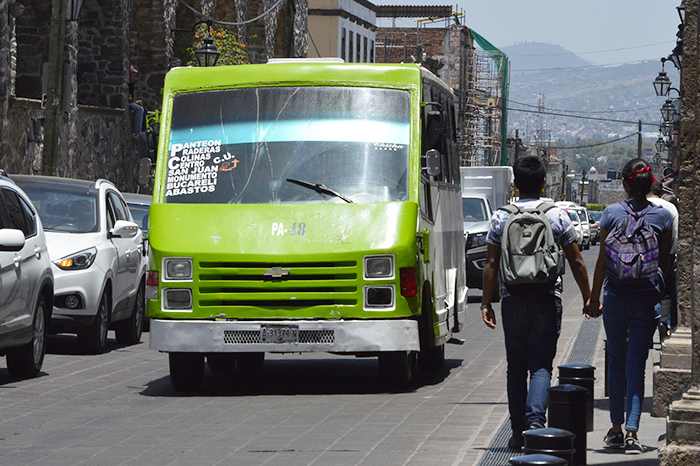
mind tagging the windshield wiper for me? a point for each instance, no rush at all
(319, 188)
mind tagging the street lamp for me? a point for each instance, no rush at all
(668, 110)
(208, 53)
(666, 128)
(662, 83)
(681, 12)
(660, 145)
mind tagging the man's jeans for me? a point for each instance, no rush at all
(531, 328)
(633, 316)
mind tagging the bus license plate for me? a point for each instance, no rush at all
(279, 334)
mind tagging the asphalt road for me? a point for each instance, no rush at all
(119, 408)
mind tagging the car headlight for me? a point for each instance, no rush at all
(379, 266)
(78, 261)
(177, 268)
(476, 240)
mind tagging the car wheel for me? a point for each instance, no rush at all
(27, 360)
(221, 363)
(396, 367)
(186, 371)
(93, 339)
(129, 331)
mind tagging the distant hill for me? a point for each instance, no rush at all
(571, 83)
(537, 55)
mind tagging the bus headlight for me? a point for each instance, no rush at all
(379, 297)
(177, 299)
(177, 268)
(379, 267)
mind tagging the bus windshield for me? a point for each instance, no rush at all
(289, 145)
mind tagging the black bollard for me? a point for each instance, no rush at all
(567, 410)
(538, 459)
(581, 375)
(550, 441)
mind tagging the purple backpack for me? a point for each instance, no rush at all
(632, 253)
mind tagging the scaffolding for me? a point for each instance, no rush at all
(484, 110)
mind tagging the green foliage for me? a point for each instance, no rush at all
(596, 207)
(232, 51)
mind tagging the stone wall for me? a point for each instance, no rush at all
(103, 46)
(32, 46)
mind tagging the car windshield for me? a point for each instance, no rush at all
(595, 215)
(289, 145)
(69, 209)
(474, 210)
(573, 216)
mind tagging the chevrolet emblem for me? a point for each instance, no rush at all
(276, 272)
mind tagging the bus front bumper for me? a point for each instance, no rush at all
(201, 336)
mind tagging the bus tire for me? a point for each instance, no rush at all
(221, 363)
(250, 363)
(431, 358)
(396, 367)
(186, 371)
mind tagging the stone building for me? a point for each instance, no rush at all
(64, 69)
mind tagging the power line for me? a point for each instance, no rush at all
(583, 111)
(598, 51)
(579, 116)
(600, 143)
(224, 23)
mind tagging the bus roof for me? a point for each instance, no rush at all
(306, 73)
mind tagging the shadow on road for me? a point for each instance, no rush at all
(303, 377)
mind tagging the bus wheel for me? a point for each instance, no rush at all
(186, 371)
(250, 363)
(221, 363)
(397, 367)
(432, 359)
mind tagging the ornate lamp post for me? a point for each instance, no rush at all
(662, 83)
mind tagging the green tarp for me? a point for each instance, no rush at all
(502, 61)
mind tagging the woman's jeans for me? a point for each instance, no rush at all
(531, 328)
(630, 322)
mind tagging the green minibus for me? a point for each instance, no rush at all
(301, 207)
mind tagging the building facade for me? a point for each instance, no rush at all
(343, 29)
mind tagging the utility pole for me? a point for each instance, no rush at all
(639, 139)
(52, 117)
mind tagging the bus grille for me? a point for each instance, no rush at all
(284, 285)
(249, 337)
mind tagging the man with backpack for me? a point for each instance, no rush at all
(526, 246)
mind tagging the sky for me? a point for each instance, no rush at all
(603, 32)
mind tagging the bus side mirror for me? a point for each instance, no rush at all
(432, 162)
(145, 171)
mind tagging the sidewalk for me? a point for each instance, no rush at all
(650, 428)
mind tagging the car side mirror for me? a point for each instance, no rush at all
(124, 229)
(11, 240)
(145, 171)
(432, 162)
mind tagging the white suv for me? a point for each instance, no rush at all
(26, 282)
(98, 261)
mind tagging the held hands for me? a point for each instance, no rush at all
(488, 315)
(593, 308)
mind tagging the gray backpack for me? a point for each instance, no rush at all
(531, 261)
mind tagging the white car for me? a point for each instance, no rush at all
(573, 215)
(583, 222)
(26, 282)
(98, 260)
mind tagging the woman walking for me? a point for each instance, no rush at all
(635, 244)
